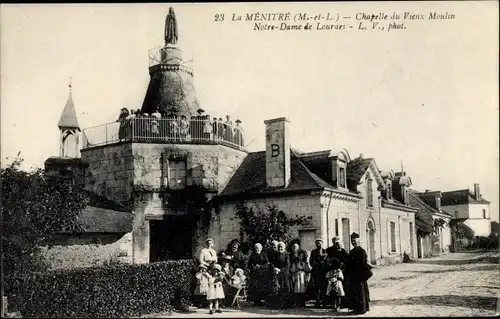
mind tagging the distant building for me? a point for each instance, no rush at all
(470, 207)
(430, 207)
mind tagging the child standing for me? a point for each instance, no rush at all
(300, 278)
(200, 292)
(335, 288)
(215, 291)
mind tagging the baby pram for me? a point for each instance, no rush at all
(240, 298)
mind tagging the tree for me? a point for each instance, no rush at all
(34, 208)
(264, 225)
(460, 232)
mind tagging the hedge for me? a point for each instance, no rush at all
(105, 291)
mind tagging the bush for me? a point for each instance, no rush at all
(109, 291)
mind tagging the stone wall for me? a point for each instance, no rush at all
(208, 166)
(224, 225)
(110, 172)
(80, 252)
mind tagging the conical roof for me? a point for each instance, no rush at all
(68, 117)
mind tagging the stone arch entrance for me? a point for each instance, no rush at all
(370, 235)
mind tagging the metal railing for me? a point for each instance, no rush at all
(165, 130)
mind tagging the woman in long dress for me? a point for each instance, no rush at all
(357, 293)
(208, 255)
(281, 284)
(258, 266)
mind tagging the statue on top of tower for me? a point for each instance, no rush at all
(171, 35)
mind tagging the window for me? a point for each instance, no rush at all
(176, 174)
(346, 233)
(389, 190)
(484, 213)
(393, 236)
(404, 195)
(438, 203)
(336, 226)
(342, 177)
(307, 238)
(369, 193)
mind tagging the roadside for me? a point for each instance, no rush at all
(456, 284)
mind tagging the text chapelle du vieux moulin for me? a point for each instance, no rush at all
(331, 21)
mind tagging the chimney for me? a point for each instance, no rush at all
(477, 194)
(278, 169)
(361, 156)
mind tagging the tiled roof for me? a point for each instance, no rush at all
(65, 161)
(355, 171)
(68, 117)
(459, 197)
(250, 177)
(102, 220)
(429, 198)
(423, 218)
(105, 203)
(102, 215)
(310, 173)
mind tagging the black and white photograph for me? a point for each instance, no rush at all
(250, 159)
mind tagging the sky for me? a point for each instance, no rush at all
(426, 96)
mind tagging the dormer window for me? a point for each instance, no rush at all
(405, 196)
(339, 177)
(342, 177)
(389, 190)
(438, 203)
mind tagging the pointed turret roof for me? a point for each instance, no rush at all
(68, 117)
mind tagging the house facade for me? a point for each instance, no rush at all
(340, 194)
(470, 207)
(434, 224)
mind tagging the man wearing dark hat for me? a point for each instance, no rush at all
(336, 250)
(319, 266)
(357, 273)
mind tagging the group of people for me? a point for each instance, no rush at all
(174, 127)
(286, 277)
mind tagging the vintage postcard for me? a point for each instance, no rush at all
(250, 159)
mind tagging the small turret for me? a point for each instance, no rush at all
(69, 129)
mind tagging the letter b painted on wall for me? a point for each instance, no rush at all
(275, 150)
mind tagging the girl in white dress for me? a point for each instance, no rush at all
(335, 288)
(201, 289)
(215, 293)
(300, 277)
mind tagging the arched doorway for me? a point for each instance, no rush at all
(370, 235)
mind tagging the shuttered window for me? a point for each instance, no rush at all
(369, 193)
(393, 236)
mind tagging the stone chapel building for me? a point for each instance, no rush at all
(182, 181)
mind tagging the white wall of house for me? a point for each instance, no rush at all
(444, 233)
(478, 216)
(405, 239)
(340, 218)
(382, 218)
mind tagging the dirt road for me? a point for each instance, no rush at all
(459, 284)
